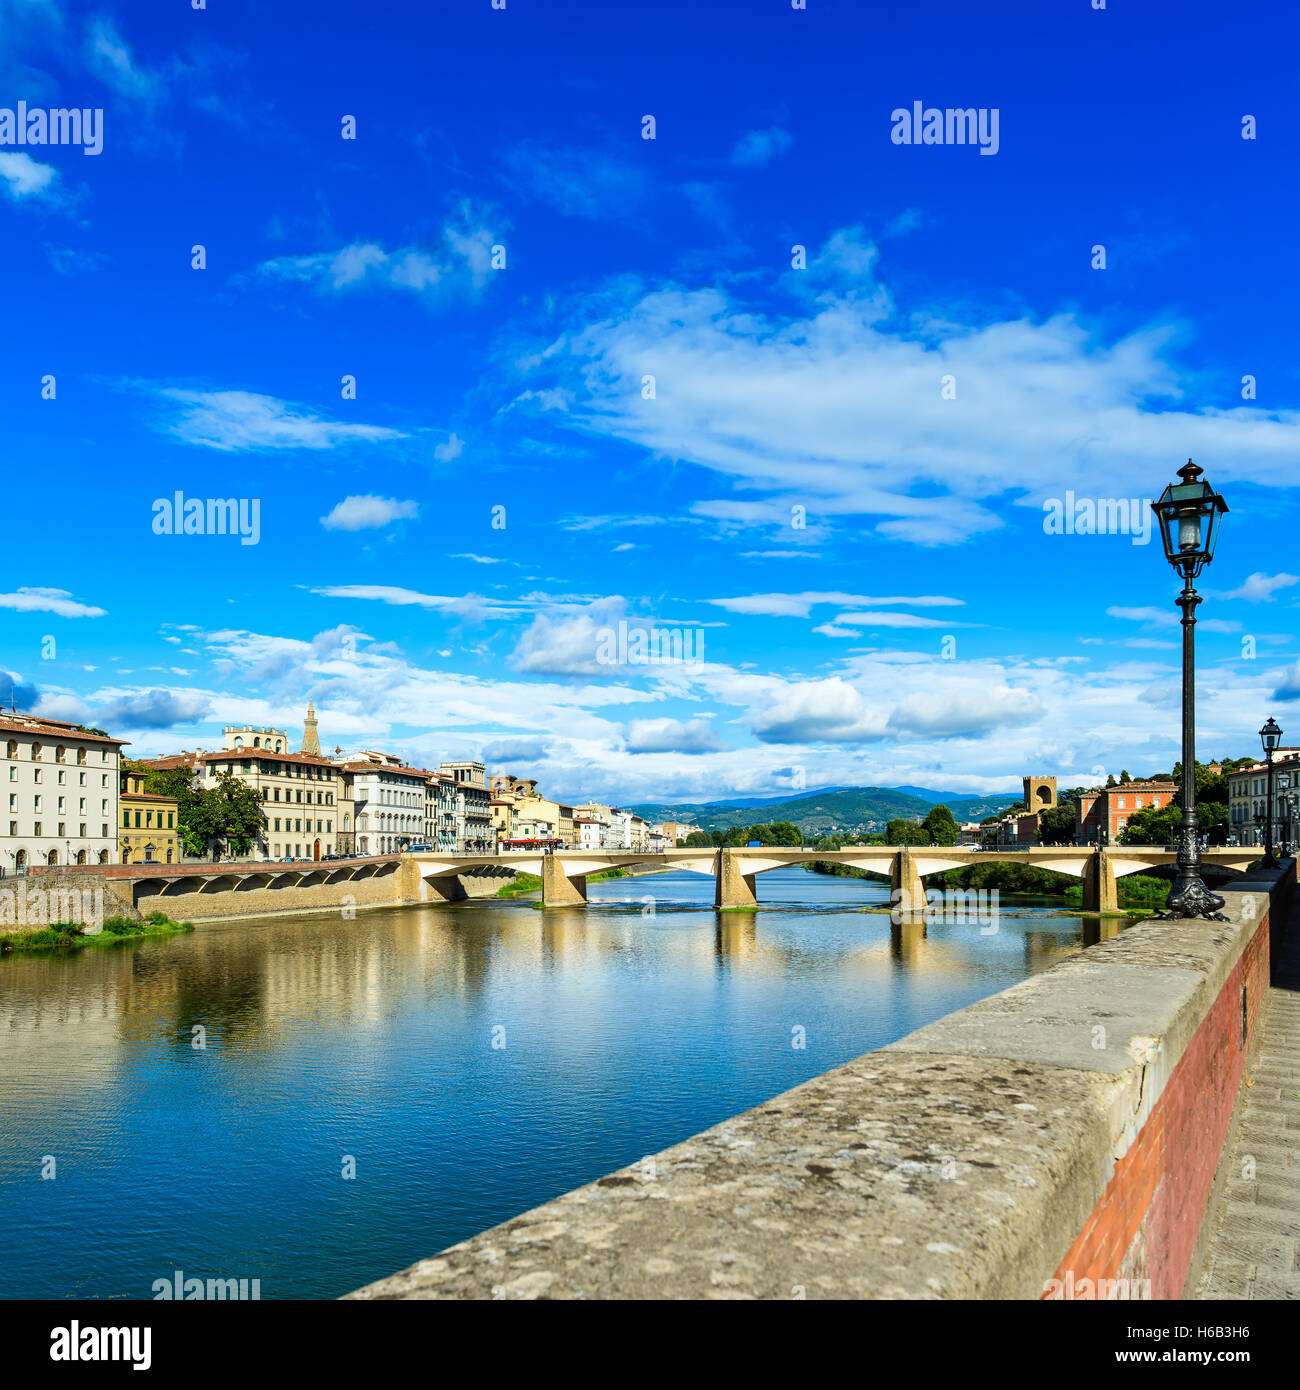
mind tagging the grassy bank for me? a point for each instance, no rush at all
(520, 886)
(523, 884)
(73, 935)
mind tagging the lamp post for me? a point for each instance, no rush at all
(1189, 513)
(1270, 736)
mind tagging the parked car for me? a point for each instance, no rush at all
(422, 848)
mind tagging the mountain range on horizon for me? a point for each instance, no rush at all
(825, 809)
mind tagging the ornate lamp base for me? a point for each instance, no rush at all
(1191, 898)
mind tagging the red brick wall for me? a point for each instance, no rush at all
(1147, 1221)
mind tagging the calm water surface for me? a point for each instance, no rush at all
(373, 1038)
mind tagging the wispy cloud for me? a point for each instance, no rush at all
(58, 601)
(366, 512)
(801, 605)
(234, 421)
(24, 179)
(1260, 588)
(758, 147)
(111, 59)
(461, 263)
(577, 181)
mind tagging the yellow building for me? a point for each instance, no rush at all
(149, 832)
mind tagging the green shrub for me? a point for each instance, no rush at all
(123, 926)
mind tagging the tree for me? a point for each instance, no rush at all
(698, 839)
(229, 813)
(940, 827)
(906, 832)
(1058, 824)
(1152, 825)
(1124, 778)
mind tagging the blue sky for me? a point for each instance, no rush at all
(865, 554)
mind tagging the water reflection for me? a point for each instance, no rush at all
(625, 1026)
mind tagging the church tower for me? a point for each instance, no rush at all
(310, 738)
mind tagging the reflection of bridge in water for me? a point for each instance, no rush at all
(564, 873)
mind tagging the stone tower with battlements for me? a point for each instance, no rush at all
(310, 738)
(1040, 793)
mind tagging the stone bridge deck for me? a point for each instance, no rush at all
(564, 872)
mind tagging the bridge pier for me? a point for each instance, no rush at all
(1099, 893)
(906, 889)
(732, 888)
(558, 890)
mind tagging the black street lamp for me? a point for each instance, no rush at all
(1189, 514)
(1270, 736)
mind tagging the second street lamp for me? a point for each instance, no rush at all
(1270, 736)
(1189, 513)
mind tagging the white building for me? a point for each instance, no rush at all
(592, 828)
(474, 832)
(389, 801)
(1248, 799)
(60, 785)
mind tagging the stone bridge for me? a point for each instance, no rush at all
(251, 888)
(564, 872)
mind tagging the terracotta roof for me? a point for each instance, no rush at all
(52, 728)
(240, 755)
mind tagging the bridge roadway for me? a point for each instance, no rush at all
(564, 872)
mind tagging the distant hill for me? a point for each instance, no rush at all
(844, 809)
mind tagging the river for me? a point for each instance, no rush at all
(471, 1060)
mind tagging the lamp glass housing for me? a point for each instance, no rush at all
(1189, 513)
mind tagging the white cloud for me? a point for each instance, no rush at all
(758, 147)
(893, 620)
(563, 645)
(1260, 588)
(237, 420)
(111, 60)
(801, 605)
(365, 512)
(818, 390)
(1169, 617)
(672, 736)
(824, 711)
(964, 708)
(461, 264)
(450, 449)
(58, 601)
(23, 177)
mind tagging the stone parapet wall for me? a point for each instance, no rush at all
(1060, 1133)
